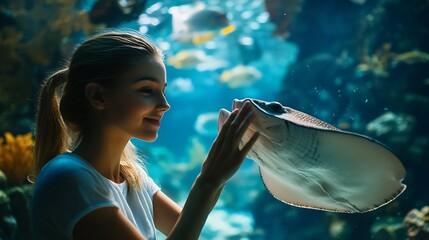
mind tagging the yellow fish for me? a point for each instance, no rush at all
(207, 36)
(199, 24)
(240, 76)
(187, 59)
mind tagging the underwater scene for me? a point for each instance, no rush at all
(359, 65)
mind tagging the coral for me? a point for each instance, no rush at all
(8, 223)
(20, 209)
(377, 63)
(393, 128)
(32, 40)
(384, 58)
(3, 180)
(417, 223)
(412, 57)
(388, 228)
(16, 154)
(339, 228)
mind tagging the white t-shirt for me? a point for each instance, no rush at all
(68, 188)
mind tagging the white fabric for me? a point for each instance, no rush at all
(68, 188)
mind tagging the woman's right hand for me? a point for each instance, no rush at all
(225, 156)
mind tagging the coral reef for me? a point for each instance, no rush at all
(16, 156)
(36, 36)
(391, 128)
(8, 224)
(15, 212)
(20, 208)
(388, 228)
(3, 180)
(417, 223)
(339, 228)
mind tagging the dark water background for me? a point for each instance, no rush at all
(345, 62)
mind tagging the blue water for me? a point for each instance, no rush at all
(245, 209)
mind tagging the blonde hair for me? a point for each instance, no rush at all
(63, 110)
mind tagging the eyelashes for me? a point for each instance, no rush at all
(146, 90)
(149, 91)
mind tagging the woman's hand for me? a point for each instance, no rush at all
(225, 157)
(223, 160)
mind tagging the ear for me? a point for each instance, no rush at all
(94, 94)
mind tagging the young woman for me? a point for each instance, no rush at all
(89, 184)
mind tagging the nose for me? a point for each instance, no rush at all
(163, 105)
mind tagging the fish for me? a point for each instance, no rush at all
(308, 163)
(187, 59)
(199, 24)
(195, 58)
(240, 76)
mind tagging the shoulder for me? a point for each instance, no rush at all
(65, 162)
(65, 169)
(148, 184)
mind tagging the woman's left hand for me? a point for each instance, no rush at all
(225, 156)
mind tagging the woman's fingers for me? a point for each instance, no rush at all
(242, 154)
(231, 134)
(246, 148)
(225, 156)
(245, 109)
(243, 128)
(228, 122)
(221, 135)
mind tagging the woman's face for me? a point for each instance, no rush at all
(138, 104)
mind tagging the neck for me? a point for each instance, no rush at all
(103, 151)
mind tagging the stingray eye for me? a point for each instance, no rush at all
(276, 107)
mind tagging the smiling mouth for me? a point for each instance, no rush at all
(152, 121)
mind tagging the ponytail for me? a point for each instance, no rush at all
(51, 133)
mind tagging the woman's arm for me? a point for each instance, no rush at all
(222, 162)
(166, 212)
(106, 223)
(200, 202)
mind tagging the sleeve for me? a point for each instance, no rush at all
(68, 193)
(148, 184)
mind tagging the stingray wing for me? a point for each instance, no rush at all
(332, 171)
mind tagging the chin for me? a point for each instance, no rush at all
(150, 138)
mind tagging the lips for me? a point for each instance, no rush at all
(153, 121)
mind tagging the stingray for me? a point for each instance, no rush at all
(308, 163)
